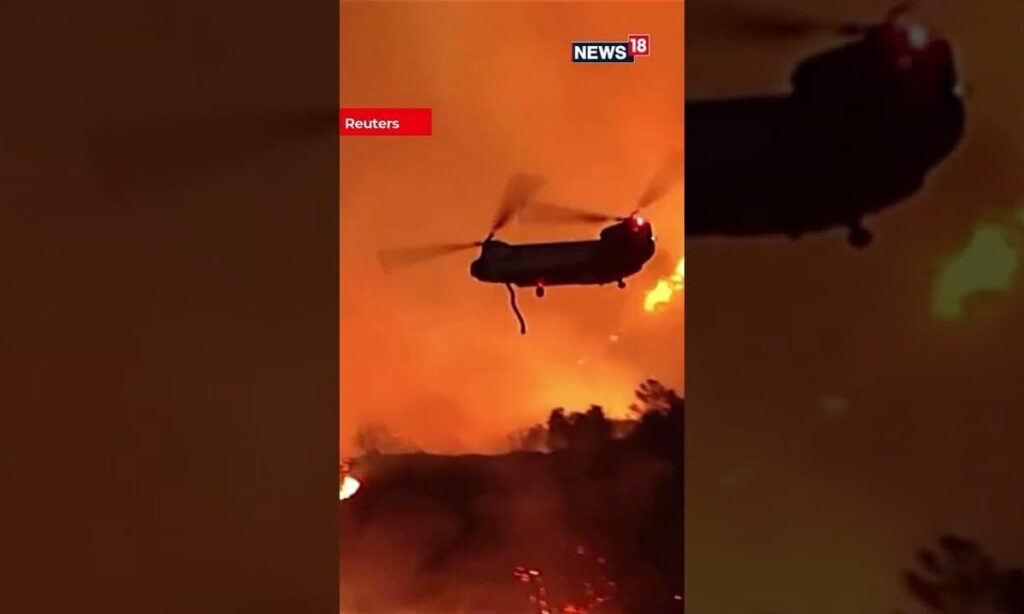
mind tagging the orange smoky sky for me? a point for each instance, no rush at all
(430, 353)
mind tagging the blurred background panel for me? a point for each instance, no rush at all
(170, 316)
(849, 406)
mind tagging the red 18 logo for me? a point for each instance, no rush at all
(639, 44)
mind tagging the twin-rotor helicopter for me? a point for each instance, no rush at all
(620, 251)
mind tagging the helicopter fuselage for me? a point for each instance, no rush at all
(622, 251)
(865, 123)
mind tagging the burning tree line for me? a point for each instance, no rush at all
(657, 426)
(584, 516)
(635, 555)
(643, 548)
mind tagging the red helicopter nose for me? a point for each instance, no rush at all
(904, 37)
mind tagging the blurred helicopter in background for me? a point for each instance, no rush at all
(864, 124)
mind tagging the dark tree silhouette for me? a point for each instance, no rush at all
(658, 423)
(533, 439)
(558, 429)
(589, 430)
(376, 439)
(958, 577)
(653, 396)
(660, 430)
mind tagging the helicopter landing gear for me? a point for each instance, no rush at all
(539, 291)
(621, 284)
(859, 236)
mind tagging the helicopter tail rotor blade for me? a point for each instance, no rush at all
(166, 151)
(404, 257)
(518, 194)
(669, 174)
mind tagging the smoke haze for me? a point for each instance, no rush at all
(429, 353)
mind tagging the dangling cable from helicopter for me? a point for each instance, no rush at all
(515, 308)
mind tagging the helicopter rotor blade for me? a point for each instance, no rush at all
(900, 10)
(404, 257)
(760, 24)
(552, 213)
(518, 194)
(669, 174)
(170, 150)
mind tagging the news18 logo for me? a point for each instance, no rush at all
(636, 45)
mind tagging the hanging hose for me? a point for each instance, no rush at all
(515, 308)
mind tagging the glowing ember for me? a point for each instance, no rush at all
(349, 487)
(986, 264)
(667, 287)
(594, 595)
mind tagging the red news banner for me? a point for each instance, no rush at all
(385, 122)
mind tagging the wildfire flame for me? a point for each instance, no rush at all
(667, 287)
(349, 487)
(986, 264)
